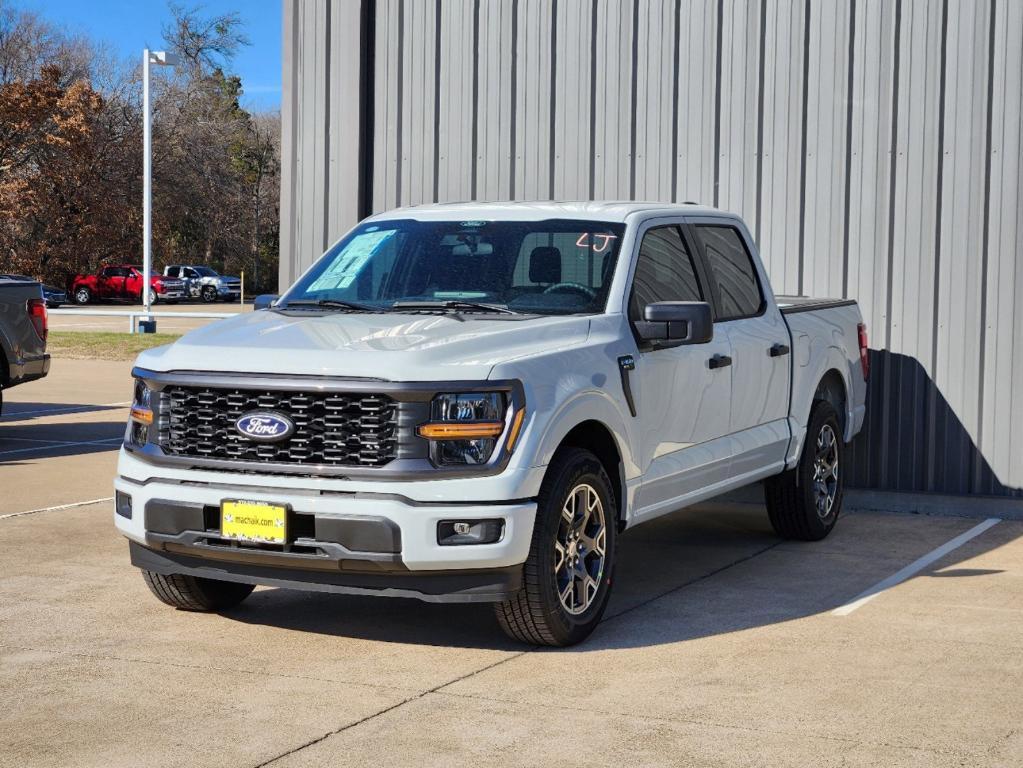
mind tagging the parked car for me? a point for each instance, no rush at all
(202, 282)
(472, 402)
(53, 295)
(23, 330)
(124, 283)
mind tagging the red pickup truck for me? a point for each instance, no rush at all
(124, 282)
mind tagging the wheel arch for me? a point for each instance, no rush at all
(596, 437)
(832, 389)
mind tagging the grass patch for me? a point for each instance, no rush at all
(104, 345)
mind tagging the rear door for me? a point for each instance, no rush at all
(682, 402)
(759, 341)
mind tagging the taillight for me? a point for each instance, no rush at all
(864, 355)
(37, 314)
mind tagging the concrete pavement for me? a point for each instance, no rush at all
(720, 647)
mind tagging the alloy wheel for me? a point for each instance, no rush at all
(579, 549)
(825, 472)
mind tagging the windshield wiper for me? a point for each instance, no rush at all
(454, 304)
(331, 304)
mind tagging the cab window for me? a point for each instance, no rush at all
(664, 271)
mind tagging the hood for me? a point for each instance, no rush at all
(396, 347)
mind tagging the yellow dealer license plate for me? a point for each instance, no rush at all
(253, 521)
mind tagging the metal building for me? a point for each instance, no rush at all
(874, 147)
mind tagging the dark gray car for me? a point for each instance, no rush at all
(23, 329)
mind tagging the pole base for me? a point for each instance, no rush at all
(147, 326)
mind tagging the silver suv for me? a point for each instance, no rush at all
(204, 283)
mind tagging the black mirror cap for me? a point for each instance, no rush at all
(265, 301)
(674, 323)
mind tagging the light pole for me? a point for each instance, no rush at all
(159, 58)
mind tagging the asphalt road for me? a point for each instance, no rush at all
(723, 646)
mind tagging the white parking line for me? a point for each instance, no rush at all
(16, 415)
(113, 442)
(58, 507)
(915, 567)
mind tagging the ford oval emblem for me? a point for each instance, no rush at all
(264, 426)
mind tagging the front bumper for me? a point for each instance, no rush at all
(445, 586)
(326, 550)
(171, 293)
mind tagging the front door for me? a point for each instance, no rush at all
(682, 399)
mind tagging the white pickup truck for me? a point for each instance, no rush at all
(471, 402)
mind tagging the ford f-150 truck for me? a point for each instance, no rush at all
(124, 283)
(23, 330)
(471, 402)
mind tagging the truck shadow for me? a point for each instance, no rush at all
(709, 570)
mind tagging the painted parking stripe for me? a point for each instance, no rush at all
(915, 567)
(112, 442)
(16, 415)
(57, 508)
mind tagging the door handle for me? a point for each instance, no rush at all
(719, 361)
(778, 350)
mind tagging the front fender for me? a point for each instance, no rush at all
(590, 405)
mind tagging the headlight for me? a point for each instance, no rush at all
(141, 417)
(464, 427)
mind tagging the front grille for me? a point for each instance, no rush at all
(335, 429)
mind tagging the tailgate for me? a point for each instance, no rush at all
(24, 351)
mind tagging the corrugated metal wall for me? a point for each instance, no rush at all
(873, 147)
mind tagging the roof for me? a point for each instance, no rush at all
(596, 210)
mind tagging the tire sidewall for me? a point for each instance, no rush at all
(822, 413)
(579, 467)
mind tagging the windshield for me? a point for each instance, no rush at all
(549, 267)
(205, 271)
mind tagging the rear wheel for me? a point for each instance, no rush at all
(191, 593)
(83, 295)
(567, 576)
(804, 503)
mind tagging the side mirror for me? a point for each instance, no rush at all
(265, 301)
(674, 323)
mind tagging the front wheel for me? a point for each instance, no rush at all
(804, 503)
(567, 576)
(209, 294)
(192, 593)
(153, 298)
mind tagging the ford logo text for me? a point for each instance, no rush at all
(264, 427)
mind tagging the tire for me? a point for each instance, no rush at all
(537, 614)
(82, 295)
(209, 294)
(191, 593)
(153, 297)
(799, 506)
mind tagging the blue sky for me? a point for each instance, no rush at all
(130, 26)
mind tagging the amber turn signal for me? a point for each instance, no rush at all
(513, 433)
(142, 415)
(455, 431)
